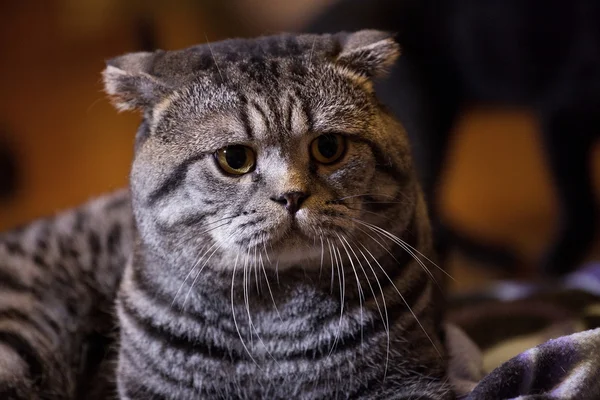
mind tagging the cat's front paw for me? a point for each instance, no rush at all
(15, 383)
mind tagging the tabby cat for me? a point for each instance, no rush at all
(272, 244)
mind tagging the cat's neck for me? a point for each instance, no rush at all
(255, 311)
(256, 284)
(263, 289)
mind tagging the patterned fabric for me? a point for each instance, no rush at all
(528, 342)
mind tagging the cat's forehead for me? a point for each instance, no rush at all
(284, 84)
(242, 53)
(288, 99)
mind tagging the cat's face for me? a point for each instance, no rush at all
(268, 155)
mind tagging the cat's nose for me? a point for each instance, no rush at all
(291, 200)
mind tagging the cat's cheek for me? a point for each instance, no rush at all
(349, 181)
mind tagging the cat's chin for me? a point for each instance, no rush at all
(291, 250)
(295, 253)
(292, 243)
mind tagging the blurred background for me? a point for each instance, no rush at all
(62, 143)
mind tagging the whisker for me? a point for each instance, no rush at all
(212, 229)
(312, 49)
(245, 291)
(237, 328)
(269, 288)
(428, 259)
(199, 272)
(246, 294)
(366, 194)
(340, 271)
(213, 57)
(322, 254)
(419, 262)
(404, 245)
(342, 281)
(401, 243)
(385, 321)
(371, 212)
(189, 274)
(228, 219)
(361, 296)
(222, 219)
(266, 252)
(256, 280)
(396, 288)
(405, 303)
(277, 271)
(386, 202)
(202, 256)
(332, 266)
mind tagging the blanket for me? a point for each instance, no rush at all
(525, 341)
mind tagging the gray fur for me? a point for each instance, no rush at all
(58, 278)
(227, 296)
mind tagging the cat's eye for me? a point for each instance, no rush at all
(328, 148)
(236, 159)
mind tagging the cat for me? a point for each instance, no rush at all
(543, 55)
(273, 242)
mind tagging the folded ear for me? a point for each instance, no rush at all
(129, 84)
(368, 52)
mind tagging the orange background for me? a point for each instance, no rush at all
(72, 145)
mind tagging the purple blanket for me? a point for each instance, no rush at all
(528, 342)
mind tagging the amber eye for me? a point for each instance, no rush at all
(328, 148)
(236, 160)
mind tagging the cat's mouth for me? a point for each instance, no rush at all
(288, 241)
(297, 249)
(296, 242)
(292, 234)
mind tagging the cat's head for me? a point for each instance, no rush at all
(276, 146)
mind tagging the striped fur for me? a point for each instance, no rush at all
(227, 296)
(58, 279)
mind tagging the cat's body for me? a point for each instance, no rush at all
(295, 343)
(278, 223)
(58, 280)
(537, 54)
